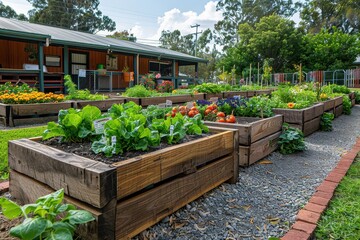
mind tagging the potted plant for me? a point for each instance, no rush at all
(128, 76)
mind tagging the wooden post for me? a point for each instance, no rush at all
(66, 60)
(41, 65)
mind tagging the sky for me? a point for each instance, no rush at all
(147, 18)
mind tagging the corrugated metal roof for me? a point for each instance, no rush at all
(68, 37)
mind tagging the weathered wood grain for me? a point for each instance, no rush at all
(133, 99)
(254, 130)
(352, 95)
(84, 179)
(311, 126)
(26, 190)
(231, 94)
(208, 96)
(329, 105)
(258, 150)
(152, 101)
(103, 105)
(338, 111)
(140, 212)
(292, 116)
(338, 101)
(262, 92)
(137, 173)
(313, 111)
(250, 94)
(19, 110)
(352, 102)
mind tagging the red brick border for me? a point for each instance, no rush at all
(308, 217)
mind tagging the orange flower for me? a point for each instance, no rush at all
(291, 105)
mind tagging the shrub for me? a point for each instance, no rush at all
(291, 140)
(326, 122)
(148, 81)
(137, 91)
(166, 87)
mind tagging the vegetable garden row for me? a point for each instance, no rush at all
(131, 165)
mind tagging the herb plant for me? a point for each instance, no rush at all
(291, 140)
(138, 91)
(326, 122)
(48, 218)
(208, 88)
(346, 105)
(75, 94)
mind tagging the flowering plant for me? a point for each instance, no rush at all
(148, 81)
(166, 86)
(32, 97)
(158, 75)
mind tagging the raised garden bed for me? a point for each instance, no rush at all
(338, 108)
(175, 99)
(208, 96)
(103, 105)
(263, 92)
(352, 98)
(307, 119)
(129, 196)
(257, 137)
(21, 114)
(231, 94)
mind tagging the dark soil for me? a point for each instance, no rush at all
(6, 225)
(84, 149)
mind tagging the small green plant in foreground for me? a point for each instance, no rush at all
(326, 122)
(291, 140)
(342, 218)
(48, 218)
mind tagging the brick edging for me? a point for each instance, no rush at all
(308, 217)
(4, 187)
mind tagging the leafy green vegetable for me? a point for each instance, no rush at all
(291, 140)
(75, 94)
(45, 219)
(326, 122)
(74, 125)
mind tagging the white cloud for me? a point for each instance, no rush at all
(174, 19)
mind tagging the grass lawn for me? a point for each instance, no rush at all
(6, 135)
(342, 218)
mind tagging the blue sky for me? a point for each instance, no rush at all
(147, 18)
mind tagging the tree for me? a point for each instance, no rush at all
(273, 38)
(8, 12)
(330, 50)
(124, 35)
(81, 15)
(342, 14)
(236, 12)
(175, 41)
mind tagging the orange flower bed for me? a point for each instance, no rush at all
(33, 97)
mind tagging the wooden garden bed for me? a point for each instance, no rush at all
(36, 113)
(208, 96)
(257, 137)
(307, 119)
(103, 105)
(231, 94)
(352, 98)
(129, 196)
(338, 108)
(262, 92)
(175, 99)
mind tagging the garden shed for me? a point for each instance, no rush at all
(41, 55)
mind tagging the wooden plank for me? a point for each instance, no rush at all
(352, 102)
(262, 92)
(102, 228)
(180, 98)
(103, 105)
(34, 120)
(265, 127)
(137, 173)
(152, 101)
(329, 105)
(258, 150)
(352, 95)
(84, 179)
(311, 126)
(18, 110)
(313, 111)
(244, 129)
(250, 94)
(292, 116)
(338, 101)
(198, 96)
(213, 95)
(231, 94)
(338, 111)
(140, 212)
(3, 109)
(131, 99)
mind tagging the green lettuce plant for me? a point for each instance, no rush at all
(326, 122)
(47, 218)
(291, 140)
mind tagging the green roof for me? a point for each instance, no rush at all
(17, 29)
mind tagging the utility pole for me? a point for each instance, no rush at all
(196, 35)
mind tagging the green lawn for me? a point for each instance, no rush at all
(6, 135)
(342, 219)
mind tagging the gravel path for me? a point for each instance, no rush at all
(267, 197)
